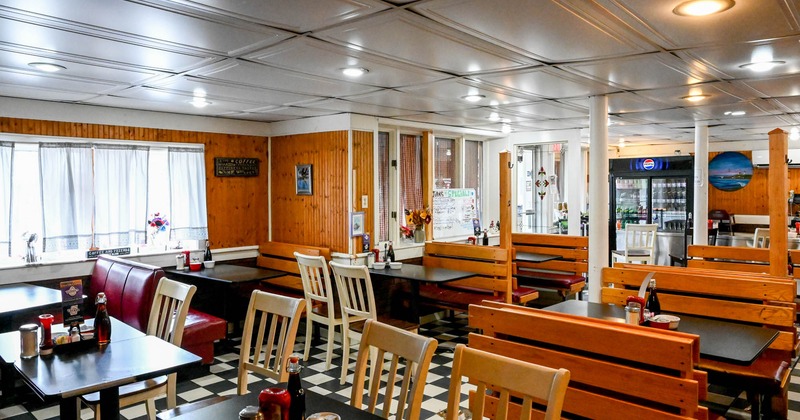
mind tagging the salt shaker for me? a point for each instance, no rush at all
(180, 261)
(29, 347)
(632, 315)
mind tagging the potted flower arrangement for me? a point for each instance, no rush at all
(416, 220)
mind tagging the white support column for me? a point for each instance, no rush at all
(700, 208)
(574, 184)
(598, 193)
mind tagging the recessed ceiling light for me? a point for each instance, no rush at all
(762, 66)
(494, 116)
(48, 67)
(199, 102)
(695, 98)
(702, 7)
(735, 113)
(473, 98)
(506, 128)
(354, 71)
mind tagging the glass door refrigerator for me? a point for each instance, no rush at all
(650, 190)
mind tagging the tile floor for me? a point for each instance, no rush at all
(220, 379)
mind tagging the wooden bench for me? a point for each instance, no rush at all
(735, 258)
(617, 371)
(493, 280)
(280, 256)
(752, 298)
(565, 275)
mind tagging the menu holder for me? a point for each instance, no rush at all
(70, 347)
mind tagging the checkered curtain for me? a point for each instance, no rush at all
(410, 174)
(473, 159)
(6, 153)
(383, 191)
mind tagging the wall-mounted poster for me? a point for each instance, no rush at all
(730, 171)
(302, 175)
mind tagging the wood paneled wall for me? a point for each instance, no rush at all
(238, 208)
(363, 168)
(320, 219)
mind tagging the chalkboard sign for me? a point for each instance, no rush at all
(224, 166)
(453, 213)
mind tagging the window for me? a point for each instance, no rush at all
(383, 187)
(63, 198)
(410, 174)
(473, 167)
(445, 168)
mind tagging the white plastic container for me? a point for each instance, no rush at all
(349, 259)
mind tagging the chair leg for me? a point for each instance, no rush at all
(151, 408)
(172, 398)
(309, 326)
(329, 352)
(345, 353)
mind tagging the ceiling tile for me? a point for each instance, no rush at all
(545, 83)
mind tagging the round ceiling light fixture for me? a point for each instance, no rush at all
(702, 7)
(48, 67)
(354, 71)
(473, 98)
(695, 98)
(762, 66)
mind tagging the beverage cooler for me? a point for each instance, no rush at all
(650, 190)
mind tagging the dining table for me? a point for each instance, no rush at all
(224, 290)
(228, 407)
(19, 300)
(726, 341)
(81, 368)
(415, 275)
(535, 257)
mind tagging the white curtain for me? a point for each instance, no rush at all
(120, 196)
(66, 177)
(187, 180)
(6, 150)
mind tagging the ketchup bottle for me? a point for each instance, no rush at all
(273, 404)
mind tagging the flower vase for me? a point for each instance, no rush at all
(419, 235)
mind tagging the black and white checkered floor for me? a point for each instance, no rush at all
(220, 379)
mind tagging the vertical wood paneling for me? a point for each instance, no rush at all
(321, 219)
(363, 165)
(238, 208)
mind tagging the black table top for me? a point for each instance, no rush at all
(91, 369)
(229, 408)
(719, 340)
(535, 257)
(26, 297)
(421, 273)
(229, 273)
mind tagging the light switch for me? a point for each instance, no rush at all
(364, 201)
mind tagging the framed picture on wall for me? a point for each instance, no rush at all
(303, 180)
(357, 223)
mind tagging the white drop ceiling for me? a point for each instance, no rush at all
(536, 62)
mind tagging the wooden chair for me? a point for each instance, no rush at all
(416, 350)
(358, 305)
(640, 241)
(507, 376)
(320, 301)
(167, 319)
(761, 238)
(279, 317)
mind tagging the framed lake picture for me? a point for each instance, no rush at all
(730, 171)
(302, 175)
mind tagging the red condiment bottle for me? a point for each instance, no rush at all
(273, 404)
(46, 346)
(102, 322)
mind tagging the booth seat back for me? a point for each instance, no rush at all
(129, 287)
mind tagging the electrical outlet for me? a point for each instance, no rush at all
(364, 201)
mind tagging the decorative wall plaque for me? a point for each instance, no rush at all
(225, 166)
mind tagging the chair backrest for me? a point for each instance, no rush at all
(688, 238)
(168, 312)
(355, 292)
(316, 280)
(416, 350)
(761, 238)
(508, 376)
(640, 237)
(278, 317)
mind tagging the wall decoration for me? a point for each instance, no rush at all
(730, 171)
(226, 166)
(541, 183)
(357, 223)
(303, 179)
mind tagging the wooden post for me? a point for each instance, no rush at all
(427, 143)
(505, 199)
(777, 195)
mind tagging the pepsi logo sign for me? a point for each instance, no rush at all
(648, 164)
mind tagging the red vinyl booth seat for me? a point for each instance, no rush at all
(130, 287)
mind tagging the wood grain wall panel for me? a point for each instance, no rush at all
(363, 166)
(238, 208)
(320, 219)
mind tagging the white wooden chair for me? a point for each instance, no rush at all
(357, 301)
(276, 329)
(167, 319)
(505, 375)
(640, 244)
(761, 238)
(417, 352)
(320, 301)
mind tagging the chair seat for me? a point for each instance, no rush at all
(632, 253)
(545, 279)
(358, 326)
(129, 389)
